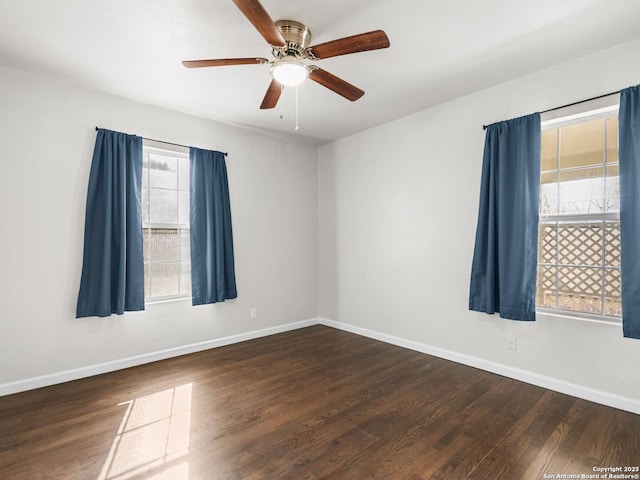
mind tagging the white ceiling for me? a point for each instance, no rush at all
(440, 50)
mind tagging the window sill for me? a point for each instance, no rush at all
(603, 320)
(157, 301)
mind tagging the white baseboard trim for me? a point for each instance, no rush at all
(91, 370)
(555, 384)
(598, 396)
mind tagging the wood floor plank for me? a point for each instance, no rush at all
(310, 404)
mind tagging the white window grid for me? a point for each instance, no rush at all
(603, 218)
(181, 229)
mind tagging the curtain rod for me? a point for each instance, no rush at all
(484, 127)
(168, 143)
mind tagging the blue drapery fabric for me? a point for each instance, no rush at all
(113, 265)
(629, 155)
(503, 273)
(212, 266)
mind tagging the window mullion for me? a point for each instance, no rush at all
(605, 208)
(557, 224)
(603, 270)
(557, 264)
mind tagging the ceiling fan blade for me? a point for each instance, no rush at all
(357, 43)
(326, 79)
(224, 62)
(272, 96)
(258, 16)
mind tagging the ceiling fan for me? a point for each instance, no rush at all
(289, 41)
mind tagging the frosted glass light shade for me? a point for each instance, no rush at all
(289, 72)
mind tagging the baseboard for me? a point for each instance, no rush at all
(91, 370)
(598, 396)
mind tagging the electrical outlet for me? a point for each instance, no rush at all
(254, 313)
(512, 342)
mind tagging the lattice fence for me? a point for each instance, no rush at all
(166, 269)
(579, 266)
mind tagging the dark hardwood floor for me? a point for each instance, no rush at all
(309, 404)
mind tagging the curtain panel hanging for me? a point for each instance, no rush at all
(629, 158)
(503, 273)
(113, 266)
(212, 263)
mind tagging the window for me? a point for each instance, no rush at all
(165, 221)
(579, 238)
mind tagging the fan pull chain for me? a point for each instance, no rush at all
(281, 107)
(297, 123)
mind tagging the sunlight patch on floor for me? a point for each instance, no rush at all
(153, 437)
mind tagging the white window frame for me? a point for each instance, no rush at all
(600, 108)
(151, 146)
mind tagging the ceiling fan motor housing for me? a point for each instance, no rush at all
(297, 36)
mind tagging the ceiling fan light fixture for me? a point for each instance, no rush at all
(289, 71)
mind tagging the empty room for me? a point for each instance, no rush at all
(264, 239)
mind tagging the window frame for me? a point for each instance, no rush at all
(575, 114)
(161, 148)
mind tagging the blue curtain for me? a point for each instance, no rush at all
(629, 154)
(113, 266)
(212, 269)
(503, 273)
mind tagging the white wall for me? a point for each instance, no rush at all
(398, 210)
(46, 143)
(356, 237)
